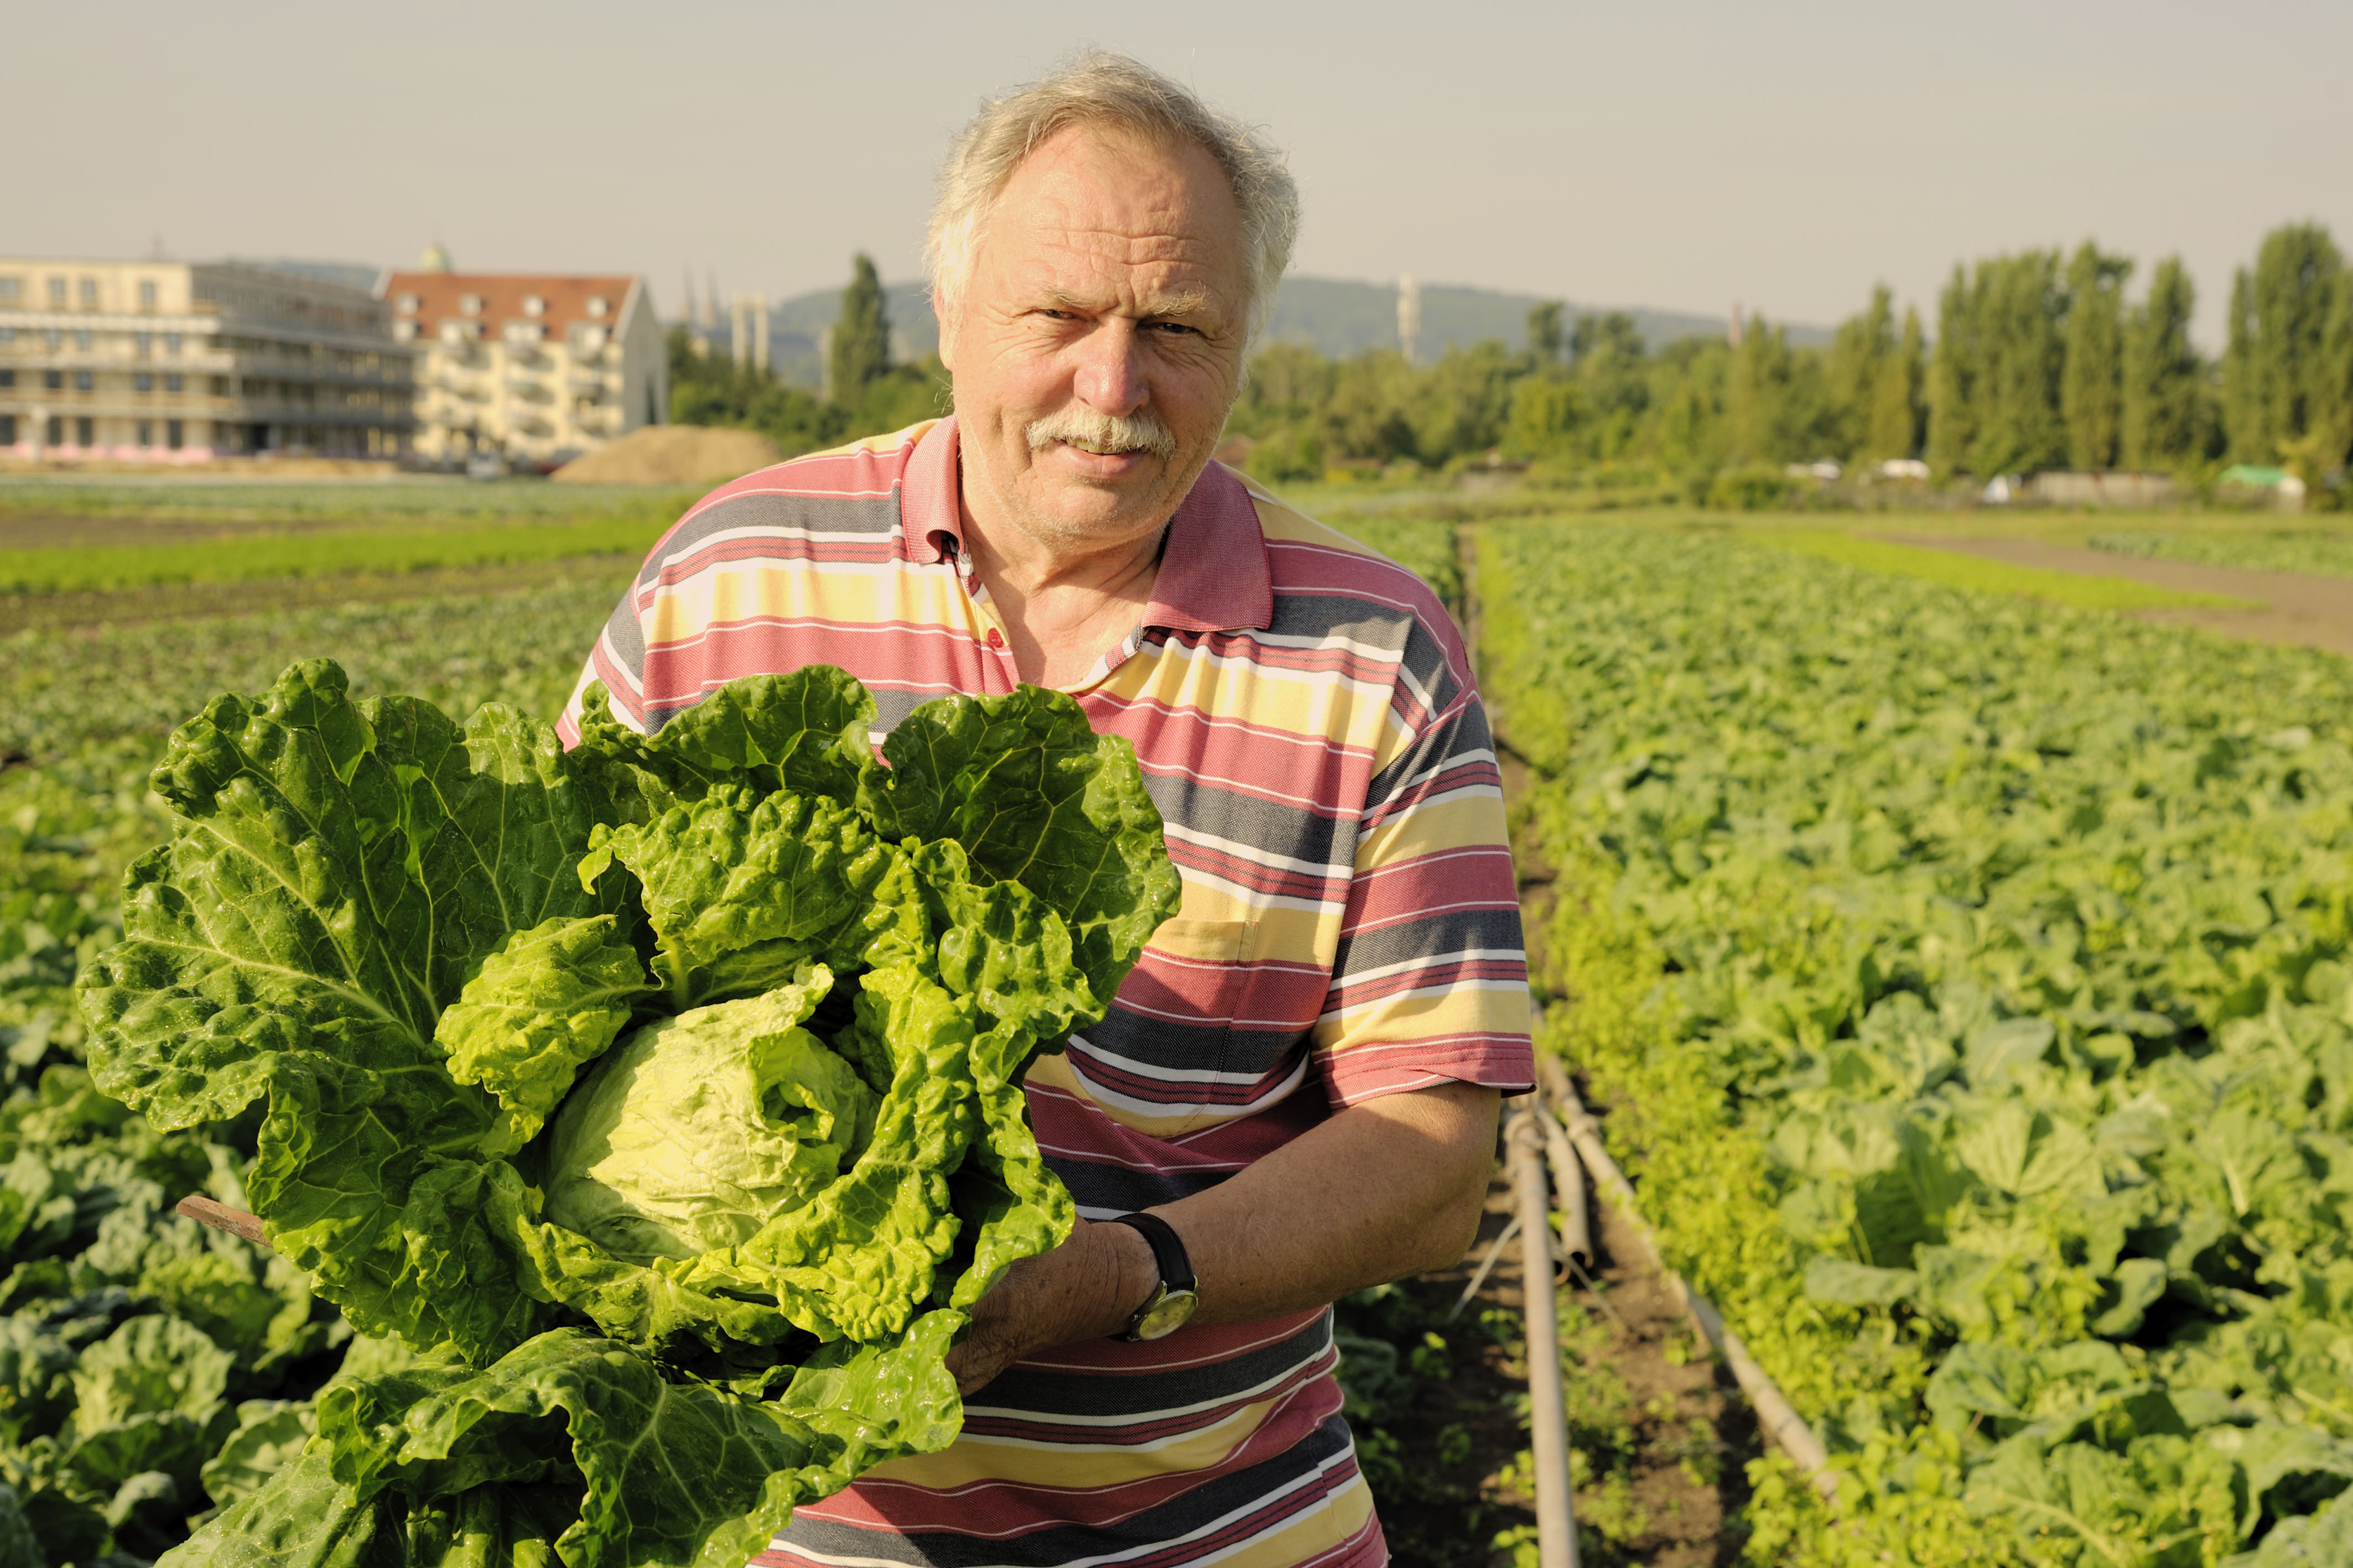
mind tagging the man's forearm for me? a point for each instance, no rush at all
(1386, 1189)
(1383, 1190)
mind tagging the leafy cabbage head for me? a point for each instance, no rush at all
(695, 1131)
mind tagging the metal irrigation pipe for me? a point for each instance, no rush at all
(1774, 1414)
(1569, 1190)
(1547, 1407)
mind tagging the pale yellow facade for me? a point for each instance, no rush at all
(182, 362)
(530, 369)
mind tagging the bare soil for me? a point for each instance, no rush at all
(671, 455)
(1632, 1359)
(2295, 610)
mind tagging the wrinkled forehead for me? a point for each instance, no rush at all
(1120, 198)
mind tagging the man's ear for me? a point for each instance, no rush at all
(947, 321)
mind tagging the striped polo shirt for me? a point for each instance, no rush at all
(1305, 717)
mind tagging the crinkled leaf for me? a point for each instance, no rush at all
(1034, 795)
(805, 731)
(546, 1001)
(742, 889)
(339, 872)
(270, 1434)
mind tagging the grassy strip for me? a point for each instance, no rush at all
(375, 551)
(346, 500)
(1954, 570)
(2315, 553)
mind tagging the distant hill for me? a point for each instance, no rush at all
(1340, 316)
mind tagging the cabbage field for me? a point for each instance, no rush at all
(1968, 979)
(1964, 980)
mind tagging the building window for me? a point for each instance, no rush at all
(403, 332)
(406, 304)
(171, 343)
(53, 381)
(532, 305)
(7, 380)
(85, 433)
(597, 306)
(146, 302)
(52, 339)
(171, 429)
(83, 381)
(525, 332)
(81, 341)
(7, 429)
(88, 301)
(146, 433)
(57, 293)
(143, 381)
(172, 381)
(143, 343)
(7, 337)
(56, 431)
(11, 289)
(469, 304)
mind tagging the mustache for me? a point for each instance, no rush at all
(1094, 432)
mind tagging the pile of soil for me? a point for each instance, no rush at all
(671, 455)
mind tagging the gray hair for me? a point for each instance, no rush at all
(1098, 88)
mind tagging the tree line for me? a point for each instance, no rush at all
(864, 394)
(2040, 359)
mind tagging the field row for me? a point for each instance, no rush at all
(1968, 977)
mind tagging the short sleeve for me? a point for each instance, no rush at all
(1430, 982)
(618, 659)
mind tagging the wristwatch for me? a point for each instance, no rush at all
(1172, 1302)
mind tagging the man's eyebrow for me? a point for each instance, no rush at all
(1189, 300)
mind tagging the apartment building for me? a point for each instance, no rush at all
(181, 362)
(532, 368)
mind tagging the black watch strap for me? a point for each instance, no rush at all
(1176, 1268)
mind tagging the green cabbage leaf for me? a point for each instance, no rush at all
(663, 1095)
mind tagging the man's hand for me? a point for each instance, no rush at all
(1085, 1288)
(1384, 1189)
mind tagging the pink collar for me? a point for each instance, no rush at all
(1213, 573)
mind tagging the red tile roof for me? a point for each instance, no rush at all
(439, 295)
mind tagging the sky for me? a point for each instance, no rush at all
(1681, 157)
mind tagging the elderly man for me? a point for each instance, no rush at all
(1294, 1095)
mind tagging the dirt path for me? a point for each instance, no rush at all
(2310, 612)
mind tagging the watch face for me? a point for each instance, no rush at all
(1166, 1315)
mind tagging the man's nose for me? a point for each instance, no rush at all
(1111, 376)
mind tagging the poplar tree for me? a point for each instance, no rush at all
(1895, 400)
(2092, 385)
(2242, 420)
(2160, 410)
(861, 352)
(1953, 378)
(1862, 354)
(2294, 396)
